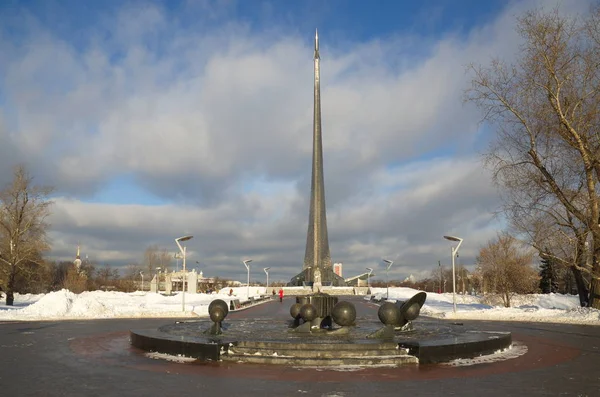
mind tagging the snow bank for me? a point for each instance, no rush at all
(556, 308)
(64, 304)
(100, 304)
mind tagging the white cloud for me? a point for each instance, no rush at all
(269, 223)
(218, 123)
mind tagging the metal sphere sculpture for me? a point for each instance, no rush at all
(308, 312)
(389, 314)
(344, 313)
(217, 314)
(218, 310)
(295, 310)
(398, 316)
(412, 311)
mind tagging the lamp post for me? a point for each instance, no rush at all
(369, 277)
(387, 283)
(142, 275)
(266, 269)
(245, 262)
(441, 276)
(454, 253)
(177, 258)
(158, 280)
(198, 268)
(178, 240)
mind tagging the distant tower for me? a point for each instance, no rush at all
(337, 268)
(77, 261)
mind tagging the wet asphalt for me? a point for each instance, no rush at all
(93, 358)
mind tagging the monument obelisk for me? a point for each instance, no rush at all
(317, 269)
(317, 254)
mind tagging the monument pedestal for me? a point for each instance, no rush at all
(316, 287)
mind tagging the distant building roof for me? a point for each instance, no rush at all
(362, 276)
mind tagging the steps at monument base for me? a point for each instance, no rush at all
(338, 291)
(319, 354)
(400, 359)
(316, 346)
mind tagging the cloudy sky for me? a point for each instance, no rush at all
(154, 120)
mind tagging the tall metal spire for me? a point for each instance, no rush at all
(317, 44)
(317, 242)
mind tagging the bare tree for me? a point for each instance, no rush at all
(554, 232)
(106, 276)
(463, 277)
(154, 257)
(36, 277)
(442, 277)
(132, 271)
(165, 258)
(507, 268)
(437, 276)
(74, 281)
(546, 108)
(24, 208)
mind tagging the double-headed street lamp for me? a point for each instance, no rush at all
(266, 269)
(454, 253)
(245, 262)
(369, 277)
(178, 240)
(387, 280)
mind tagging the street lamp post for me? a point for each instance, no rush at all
(178, 240)
(245, 262)
(177, 258)
(441, 276)
(369, 278)
(266, 269)
(158, 280)
(454, 253)
(387, 280)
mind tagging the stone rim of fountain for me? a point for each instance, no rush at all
(255, 341)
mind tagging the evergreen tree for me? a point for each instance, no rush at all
(548, 279)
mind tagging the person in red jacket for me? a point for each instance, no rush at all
(280, 294)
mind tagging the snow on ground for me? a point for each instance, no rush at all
(555, 308)
(515, 350)
(63, 305)
(99, 304)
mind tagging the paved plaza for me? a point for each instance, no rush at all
(93, 358)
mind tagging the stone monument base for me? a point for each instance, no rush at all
(432, 341)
